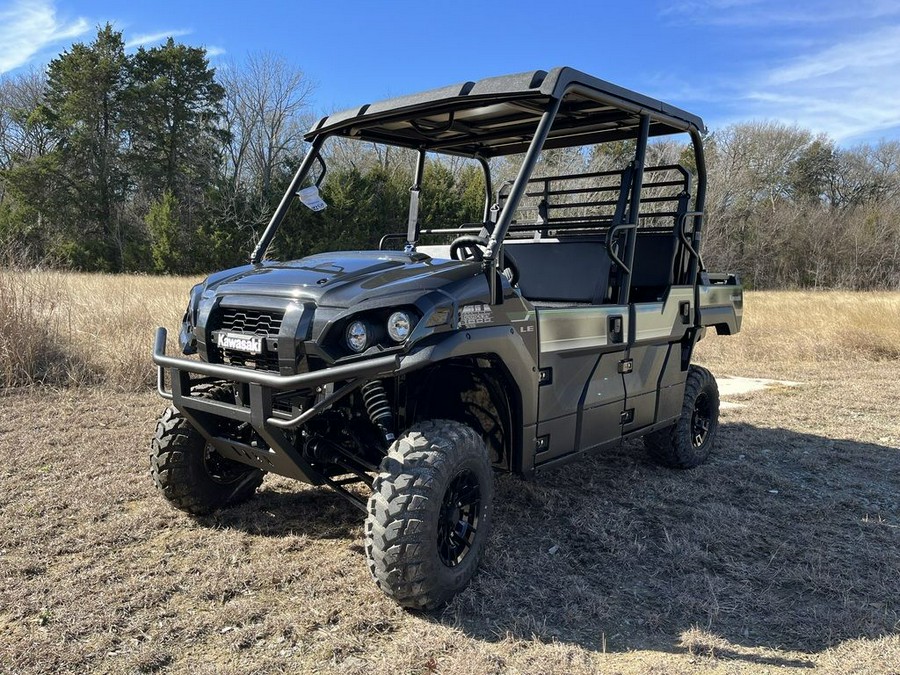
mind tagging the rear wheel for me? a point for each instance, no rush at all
(430, 514)
(189, 472)
(689, 441)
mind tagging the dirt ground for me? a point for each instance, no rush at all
(782, 553)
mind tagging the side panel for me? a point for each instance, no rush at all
(582, 397)
(663, 321)
(641, 385)
(722, 306)
(604, 402)
(655, 386)
(671, 386)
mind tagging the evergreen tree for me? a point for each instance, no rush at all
(174, 106)
(166, 240)
(85, 112)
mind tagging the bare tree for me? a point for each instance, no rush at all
(867, 173)
(267, 113)
(22, 134)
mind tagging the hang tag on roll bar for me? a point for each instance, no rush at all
(311, 198)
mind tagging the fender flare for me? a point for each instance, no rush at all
(499, 341)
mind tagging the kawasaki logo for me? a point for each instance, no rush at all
(240, 342)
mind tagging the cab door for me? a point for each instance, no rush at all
(581, 396)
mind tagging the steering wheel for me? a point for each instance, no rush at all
(468, 247)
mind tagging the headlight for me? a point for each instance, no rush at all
(399, 326)
(357, 336)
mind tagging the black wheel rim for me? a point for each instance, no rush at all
(458, 520)
(701, 420)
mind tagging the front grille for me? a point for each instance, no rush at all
(266, 361)
(250, 321)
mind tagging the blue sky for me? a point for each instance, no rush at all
(829, 66)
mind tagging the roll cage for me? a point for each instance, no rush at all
(528, 113)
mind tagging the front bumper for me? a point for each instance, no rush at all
(281, 455)
(274, 426)
(376, 367)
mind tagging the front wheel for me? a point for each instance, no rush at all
(429, 514)
(189, 472)
(689, 441)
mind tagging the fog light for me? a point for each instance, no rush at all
(399, 326)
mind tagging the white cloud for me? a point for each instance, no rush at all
(215, 51)
(862, 55)
(838, 73)
(849, 89)
(153, 38)
(29, 26)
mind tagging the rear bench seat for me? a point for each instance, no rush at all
(653, 270)
(578, 270)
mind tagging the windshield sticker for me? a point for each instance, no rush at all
(311, 198)
(475, 315)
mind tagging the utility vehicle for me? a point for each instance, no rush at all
(403, 378)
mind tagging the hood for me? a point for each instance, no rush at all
(343, 278)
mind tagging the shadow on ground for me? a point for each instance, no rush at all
(318, 513)
(783, 540)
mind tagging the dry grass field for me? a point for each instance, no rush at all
(65, 329)
(780, 554)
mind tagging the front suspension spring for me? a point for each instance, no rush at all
(379, 407)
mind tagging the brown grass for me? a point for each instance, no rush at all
(784, 327)
(780, 553)
(74, 329)
(63, 328)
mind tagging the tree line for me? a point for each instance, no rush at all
(155, 162)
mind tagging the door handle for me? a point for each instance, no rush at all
(614, 329)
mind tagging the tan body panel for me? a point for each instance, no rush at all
(721, 307)
(582, 406)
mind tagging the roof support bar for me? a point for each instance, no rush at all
(412, 226)
(699, 204)
(521, 182)
(696, 264)
(488, 188)
(313, 155)
(634, 208)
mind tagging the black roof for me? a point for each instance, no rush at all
(498, 115)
